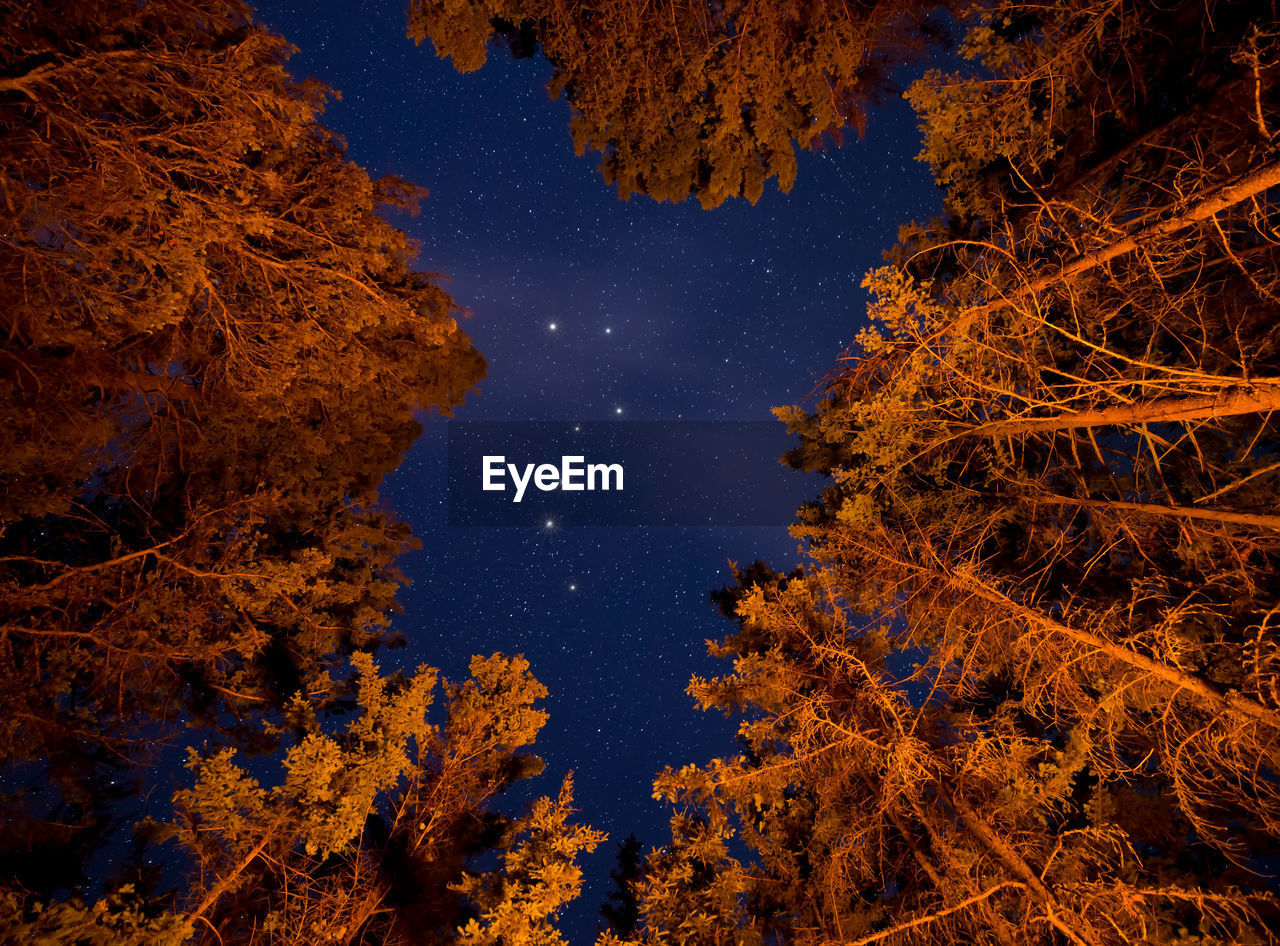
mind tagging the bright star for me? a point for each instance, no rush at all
(550, 523)
(552, 326)
(617, 410)
(608, 331)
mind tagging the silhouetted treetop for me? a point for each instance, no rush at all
(706, 99)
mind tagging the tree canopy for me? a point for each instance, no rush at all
(1025, 690)
(703, 99)
(214, 348)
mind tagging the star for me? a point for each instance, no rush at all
(608, 331)
(552, 326)
(617, 410)
(573, 587)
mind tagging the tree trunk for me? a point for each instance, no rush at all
(1257, 182)
(228, 880)
(1256, 398)
(1154, 509)
(1231, 702)
(1013, 862)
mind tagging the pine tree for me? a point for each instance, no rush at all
(1026, 691)
(621, 911)
(878, 810)
(700, 99)
(214, 346)
(1053, 452)
(518, 905)
(365, 837)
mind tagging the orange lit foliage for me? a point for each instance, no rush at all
(365, 839)
(702, 99)
(1055, 450)
(213, 348)
(1054, 465)
(871, 814)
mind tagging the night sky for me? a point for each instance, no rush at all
(589, 308)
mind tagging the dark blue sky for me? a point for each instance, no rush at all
(661, 312)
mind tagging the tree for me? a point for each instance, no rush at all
(1032, 453)
(1026, 690)
(1068, 378)
(214, 347)
(704, 99)
(518, 906)
(872, 815)
(364, 839)
(620, 911)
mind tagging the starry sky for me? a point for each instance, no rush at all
(588, 308)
